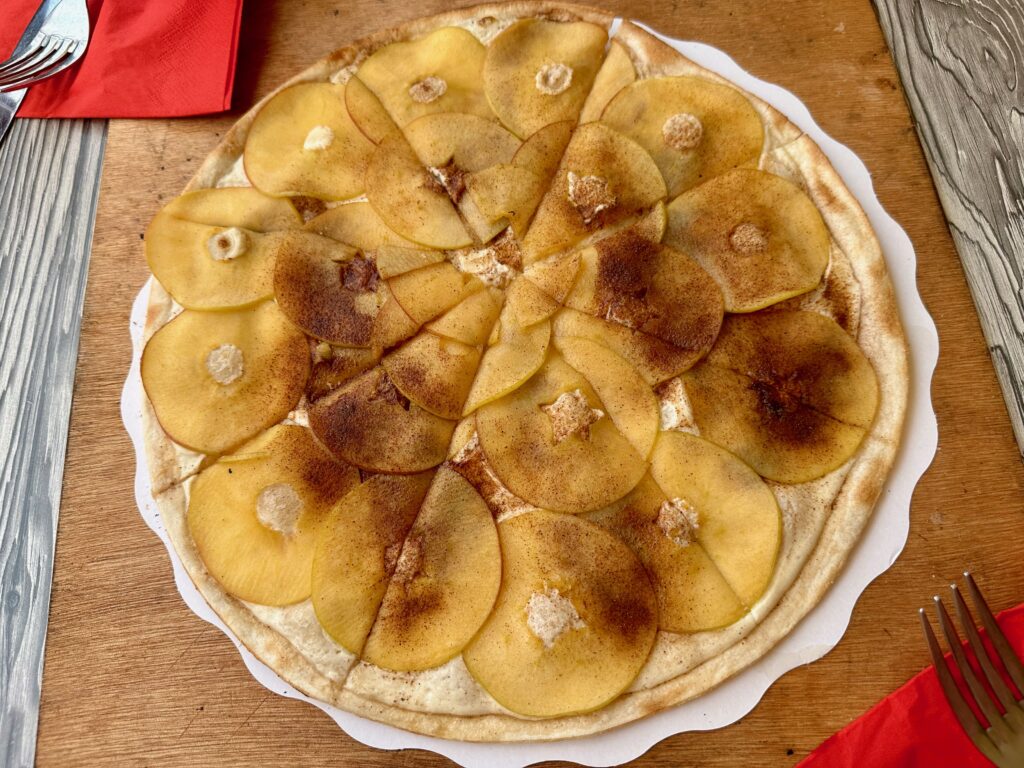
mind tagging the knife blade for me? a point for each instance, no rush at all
(11, 101)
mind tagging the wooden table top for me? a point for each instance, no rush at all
(132, 677)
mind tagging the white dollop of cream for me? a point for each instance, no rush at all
(679, 521)
(225, 364)
(278, 507)
(228, 244)
(553, 78)
(319, 137)
(682, 131)
(428, 89)
(549, 615)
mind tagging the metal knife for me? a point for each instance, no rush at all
(11, 101)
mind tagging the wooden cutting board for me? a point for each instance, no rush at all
(132, 677)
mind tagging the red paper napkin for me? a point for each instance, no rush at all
(913, 726)
(147, 58)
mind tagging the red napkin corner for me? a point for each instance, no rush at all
(913, 726)
(146, 58)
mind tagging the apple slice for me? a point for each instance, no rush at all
(805, 357)
(444, 584)
(303, 142)
(656, 360)
(471, 320)
(574, 622)
(372, 425)
(468, 143)
(505, 192)
(692, 594)
(409, 199)
(720, 502)
(780, 437)
(615, 73)
(439, 72)
(629, 280)
(514, 358)
(434, 372)
(539, 72)
(542, 151)
(366, 111)
(394, 260)
(759, 236)
(242, 207)
(528, 304)
(550, 442)
(216, 379)
(357, 550)
(254, 516)
(693, 128)
(326, 289)
(555, 275)
(428, 292)
(206, 247)
(358, 225)
(334, 366)
(632, 405)
(209, 267)
(604, 178)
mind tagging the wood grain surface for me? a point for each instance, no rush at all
(962, 65)
(49, 178)
(132, 677)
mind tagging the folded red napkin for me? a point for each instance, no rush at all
(913, 726)
(147, 58)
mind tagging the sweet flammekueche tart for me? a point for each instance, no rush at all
(509, 380)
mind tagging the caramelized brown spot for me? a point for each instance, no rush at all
(309, 207)
(450, 179)
(360, 275)
(506, 250)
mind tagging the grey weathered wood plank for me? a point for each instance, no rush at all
(962, 66)
(49, 178)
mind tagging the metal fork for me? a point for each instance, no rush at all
(60, 35)
(1002, 741)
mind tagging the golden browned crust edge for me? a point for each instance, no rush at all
(880, 335)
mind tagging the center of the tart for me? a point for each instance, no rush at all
(682, 131)
(319, 137)
(410, 561)
(450, 178)
(549, 615)
(427, 90)
(225, 364)
(748, 238)
(589, 195)
(228, 244)
(570, 415)
(678, 520)
(553, 78)
(496, 264)
(278, 507)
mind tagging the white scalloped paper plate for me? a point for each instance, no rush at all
(812, 638)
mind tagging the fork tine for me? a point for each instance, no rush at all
(985, 704)
(1010, 661)
(28, 59)
(52, 66)
(995, 680)
(963, 713)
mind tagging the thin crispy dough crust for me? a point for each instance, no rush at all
(880, 335)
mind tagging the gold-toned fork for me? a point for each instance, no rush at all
(1002, 741)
